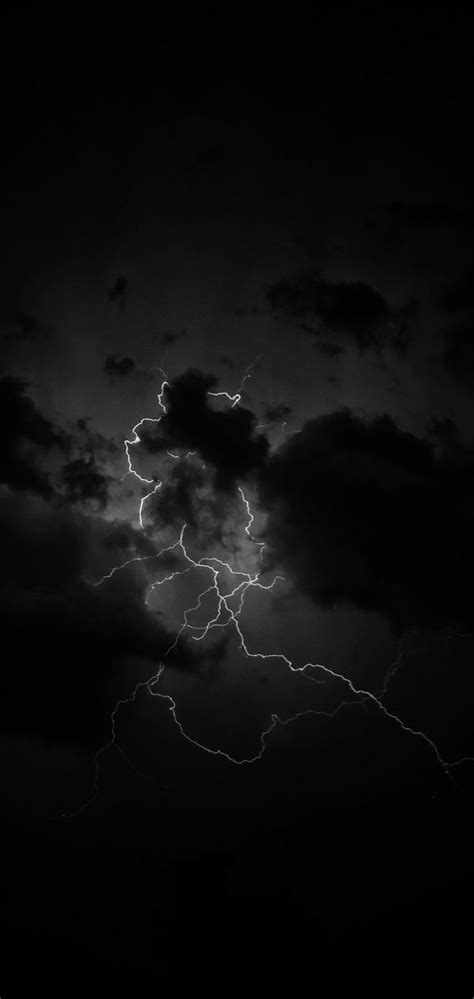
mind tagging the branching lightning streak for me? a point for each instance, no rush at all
(225, 617)
(235, 399)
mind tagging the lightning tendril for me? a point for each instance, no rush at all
(226, 617)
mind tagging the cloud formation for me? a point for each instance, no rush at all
(360, 512)
(225, 439)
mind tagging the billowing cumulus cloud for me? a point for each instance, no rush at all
(225, 439)
(360, 512)
(39, 456)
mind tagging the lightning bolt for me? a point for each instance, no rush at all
(235, 399)
(226, 617)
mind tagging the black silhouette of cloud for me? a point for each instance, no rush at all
(352, 310)
(26, 436)
(360, 512)
(225, 439)
(44, 458)
(67, 639)
(70, 642)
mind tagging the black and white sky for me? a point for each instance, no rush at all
(236, 495)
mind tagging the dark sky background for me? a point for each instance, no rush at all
(240, 752)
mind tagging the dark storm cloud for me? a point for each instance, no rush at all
(360, 512)
(350, 309)
(83, 481)
(66, 640)
(44, 458)
(26, 438)
(225, 439)
(187, 497)
(70, 642)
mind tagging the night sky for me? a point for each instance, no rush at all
(236, 501)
